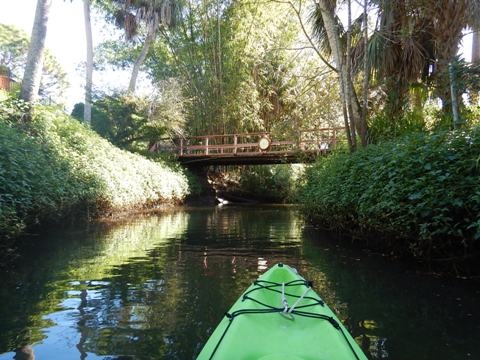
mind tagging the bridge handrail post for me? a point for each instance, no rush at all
(206, 144)
(181, 146)
(334, 140)
(235, 143)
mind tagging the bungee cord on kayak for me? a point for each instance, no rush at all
(284, 309)
(287, 311)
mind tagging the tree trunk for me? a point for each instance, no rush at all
(446, 33)
(331, 28)
(357, 122)
(366, 78)
(476, 60)
(454, 96)
(34, 65)
(476, 47)
(350, 89)
(220, 70)
(357, 113)
(87, 110)
(141, 58)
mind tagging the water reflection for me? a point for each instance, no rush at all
(262, 264)
(25, 353)
(156, 287)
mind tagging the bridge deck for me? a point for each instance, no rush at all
(250, 158)
(253, 148)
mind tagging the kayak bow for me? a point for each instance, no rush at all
(280, 317)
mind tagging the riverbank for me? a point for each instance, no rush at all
(53, 167)
(417, 196)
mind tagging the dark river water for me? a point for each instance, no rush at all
(155, 288)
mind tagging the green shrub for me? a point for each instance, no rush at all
(35, 184)
(54, 165)
(420, 193)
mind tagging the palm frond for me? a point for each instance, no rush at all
(129, 14)
(318, 29)
(375, 53)
(413, 58)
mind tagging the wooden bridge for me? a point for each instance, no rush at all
(253, 148)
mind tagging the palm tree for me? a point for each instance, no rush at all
(448, 19)
(415, 40)
(34, 65)
(336, 42)
(412, 43)
(400, 51)
(87, 110)
(153, 14)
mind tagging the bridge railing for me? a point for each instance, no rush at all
(252, 144)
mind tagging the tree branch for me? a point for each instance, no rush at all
(299, 16)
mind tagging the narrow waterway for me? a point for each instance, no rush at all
(155, 288)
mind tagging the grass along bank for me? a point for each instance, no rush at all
(53, 166)
(418, 195)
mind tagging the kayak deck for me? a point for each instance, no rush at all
(280, 317)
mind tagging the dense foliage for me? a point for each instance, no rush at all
(420, 193)
(243, 66)
(55, 165)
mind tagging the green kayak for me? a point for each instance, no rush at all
(280, 317)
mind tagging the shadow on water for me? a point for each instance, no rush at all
(156, 287)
